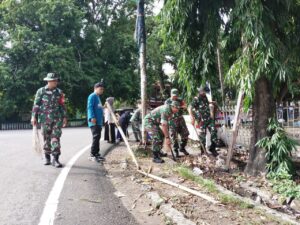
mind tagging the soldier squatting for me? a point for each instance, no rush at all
(170, 117)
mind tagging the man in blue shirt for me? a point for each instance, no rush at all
(95, 120)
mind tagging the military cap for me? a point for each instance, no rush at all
(175, 104)
(51, 76)
(174, 92)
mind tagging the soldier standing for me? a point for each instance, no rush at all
(135, 123)
(49, 110)
(177, 125)
(199, 111)
(153, 120)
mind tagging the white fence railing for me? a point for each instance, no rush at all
(27, 125)
(288, 114)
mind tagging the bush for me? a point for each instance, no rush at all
(279, 155)
(279, 149)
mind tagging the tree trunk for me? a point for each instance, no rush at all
(263, 109)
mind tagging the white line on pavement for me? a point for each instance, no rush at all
(49, 211)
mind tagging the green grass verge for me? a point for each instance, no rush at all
(209, 185)
(188, 174)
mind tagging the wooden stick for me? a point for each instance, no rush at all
(201, 144)
(169, 148)
(222, 84)
(201, 195)
(123, 136)
(221, 75)
(197, 193)
(235, 129)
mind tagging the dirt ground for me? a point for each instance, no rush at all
(133, 186)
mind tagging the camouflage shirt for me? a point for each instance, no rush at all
(159, 115)
(200, 107)
(49, 105)
(180, 111)
(136, 117)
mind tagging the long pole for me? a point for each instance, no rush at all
(123, 136)
(235, 129)
(221, 76)
(141, 39)
(194, 192)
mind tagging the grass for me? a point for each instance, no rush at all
(141, 152)
(168, 221)
(186, 173)
(209, 185)
(228, 199)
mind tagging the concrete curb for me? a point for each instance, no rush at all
(110, 148)
(157, 201)
(279, 215)
(169, 212)
(174, 215)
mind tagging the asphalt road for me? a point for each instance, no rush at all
(87, 195)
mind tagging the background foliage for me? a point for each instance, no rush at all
(83, 41)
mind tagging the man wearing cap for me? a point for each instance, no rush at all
(177, 125)
(199, 111)
(156, 118)
(95, 120)
(49, 110)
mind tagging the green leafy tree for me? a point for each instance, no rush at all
(84, 41)
(262, 45)
(157, 56)
(38, 39)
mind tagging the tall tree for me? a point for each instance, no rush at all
(38, 39)
(83, 41)
(262, 40)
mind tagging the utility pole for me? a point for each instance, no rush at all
(141, 40)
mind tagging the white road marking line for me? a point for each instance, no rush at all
(50, 208)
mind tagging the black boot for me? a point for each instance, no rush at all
(55, 161)
(182, 147)
(212, 149)
(163, 154)
(47, 159)
(156, 158)
(184, 151)
(176, 153)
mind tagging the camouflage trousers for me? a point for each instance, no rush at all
(210, 125)
(136, 130)
(178, 127)
(51, 133)
(156, 135)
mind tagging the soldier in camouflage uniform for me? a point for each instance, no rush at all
(49, 111)
(177, 125)
(199, 111)
(136, 121)
(153, 120)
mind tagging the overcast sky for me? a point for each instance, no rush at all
(158, 5)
